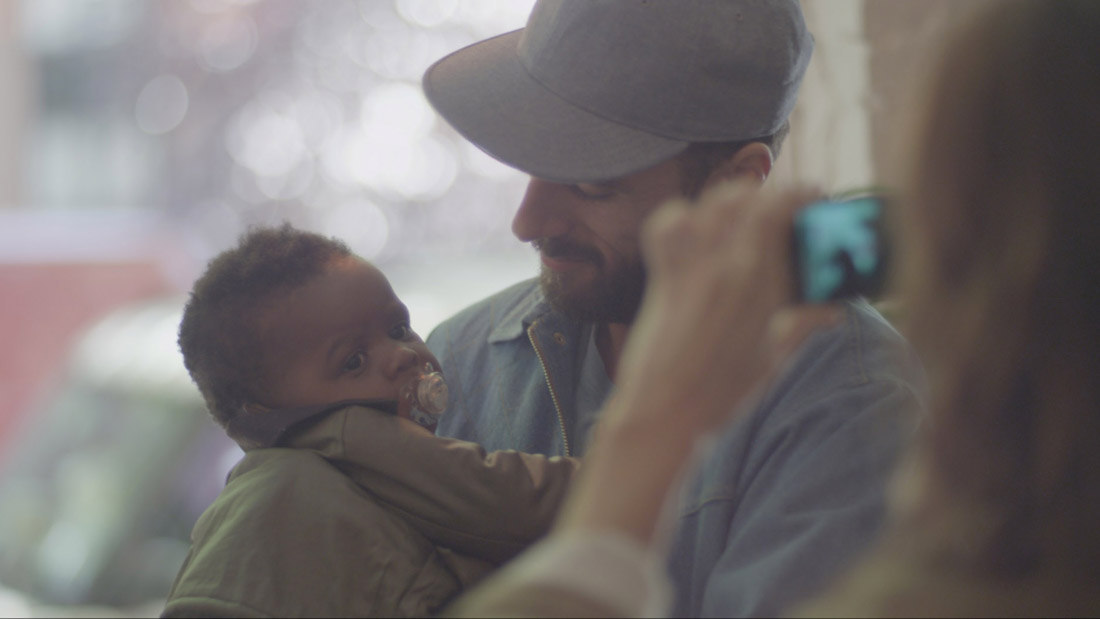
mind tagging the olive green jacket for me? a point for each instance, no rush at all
(362, 513)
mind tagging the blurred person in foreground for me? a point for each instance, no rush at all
(995, 514)
(614, 107)
(1001, 228)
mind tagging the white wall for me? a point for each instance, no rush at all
(830, 139)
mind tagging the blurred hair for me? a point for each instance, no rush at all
(218, 334)
(701, 158)
(1000, 282)
(1000, 278)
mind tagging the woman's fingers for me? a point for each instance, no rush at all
(668, 237)
(681, 230)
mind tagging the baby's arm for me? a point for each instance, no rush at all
(486, 504)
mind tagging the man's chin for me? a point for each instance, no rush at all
(594, 300)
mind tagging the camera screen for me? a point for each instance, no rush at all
(839, 250)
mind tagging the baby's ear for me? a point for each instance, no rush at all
(252, 408)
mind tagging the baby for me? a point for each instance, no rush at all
(343, 504)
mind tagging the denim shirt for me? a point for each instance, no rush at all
(792, 491)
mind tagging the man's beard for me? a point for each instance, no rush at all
(612, 296)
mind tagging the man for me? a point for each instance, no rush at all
(613, 107)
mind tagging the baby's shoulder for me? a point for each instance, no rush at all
(284, 479)
(286, 464)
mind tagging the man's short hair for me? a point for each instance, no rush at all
(219, 335)
(701, 158)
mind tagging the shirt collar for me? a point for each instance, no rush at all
(268, 428)
(514, 323)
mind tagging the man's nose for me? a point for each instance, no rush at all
(543, 213)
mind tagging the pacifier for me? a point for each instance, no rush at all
(427, 396)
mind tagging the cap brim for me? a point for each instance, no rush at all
(488, 96)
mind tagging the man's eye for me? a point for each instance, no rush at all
(354, 362)
(401, 331)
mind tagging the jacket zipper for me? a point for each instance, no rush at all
(550, 385)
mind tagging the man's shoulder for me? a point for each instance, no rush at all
(863, 363)
(865, 347)
(802, 476)
(880, 351)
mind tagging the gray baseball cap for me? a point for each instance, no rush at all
(592, 90)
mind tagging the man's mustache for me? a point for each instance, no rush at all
(564, 249)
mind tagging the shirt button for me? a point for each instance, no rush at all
(560, 339)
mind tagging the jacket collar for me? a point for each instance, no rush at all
(268, 428)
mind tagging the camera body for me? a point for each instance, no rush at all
(840, 250)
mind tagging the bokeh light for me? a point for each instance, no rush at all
(161, 105)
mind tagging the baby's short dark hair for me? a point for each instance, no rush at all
(218, 335)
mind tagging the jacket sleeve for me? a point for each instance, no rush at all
(490, 505)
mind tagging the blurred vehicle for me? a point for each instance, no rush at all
(102, 484)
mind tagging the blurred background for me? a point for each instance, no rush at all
(138, 138)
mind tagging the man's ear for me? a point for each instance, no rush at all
(753, 161)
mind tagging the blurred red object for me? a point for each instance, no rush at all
(44, 307)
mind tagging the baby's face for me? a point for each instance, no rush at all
(344, 335)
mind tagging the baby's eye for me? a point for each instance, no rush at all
(354, 362)
(401, 331)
